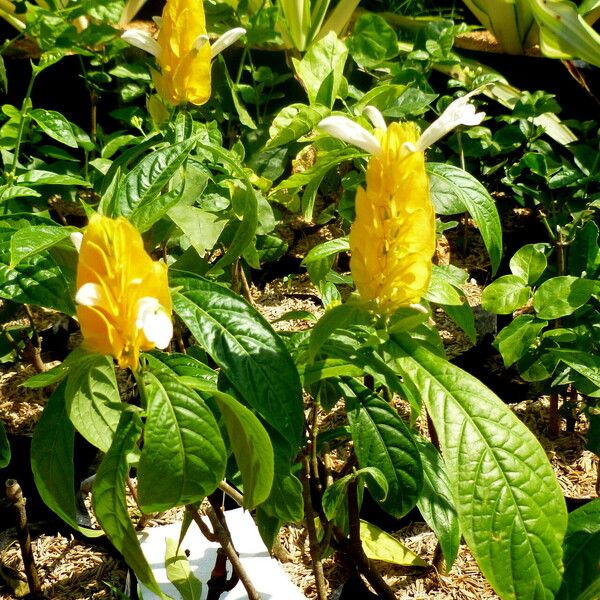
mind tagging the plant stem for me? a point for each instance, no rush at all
(363, 564)
(313, 543)
(24, 118)
(14, 495)
(231, 492)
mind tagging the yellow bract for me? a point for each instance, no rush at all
(392, 239)
(124, 304)
(184, 70)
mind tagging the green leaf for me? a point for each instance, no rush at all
(202, 228)
(28, 241)
(441, 290)
(251, 447)
(37, 177)
(93, 402)
(436, 503)
(515, 339)
(139, 195)
(505, 295)
(562, 296)
(8, 192)
(110, 505)
(373, 41)
(294, 121)
(321, 69)
(382, 440)
(510, 507)
(584, 253)
(250, 354)
(52, 460)
(584, 363)
(54, 125)
(455, 191)
(582, 551)
(529, 262)
(4, 447)
(379, 545)
(325, 369)
(183, 458)
(178, 571)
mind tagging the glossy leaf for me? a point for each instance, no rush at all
(584, 252)
(37, 177)
(455, 191)
(382, 440)
(582, 551)
(294, 121)
(373, 41)
(183, 458)
(110, 505)
(141, 189)
(251, 447)
(32, 240)
(379, 545)
(54, 125)
(52, 460)
(249, 352)
(562, 296)
(529, 262)
(178, 571)
(93, 402)
(516, 338)
(436, 503)
(584, 363)
(510, 507)
(505, 295)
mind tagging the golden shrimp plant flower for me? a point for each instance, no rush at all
(183, 52)
(123, 300)
(392, 239)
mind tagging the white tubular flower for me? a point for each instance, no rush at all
(201, 41)
(458, 112)
(142, 40)
(348, 131)
(226, 40)
(375, 116)
(76, 238)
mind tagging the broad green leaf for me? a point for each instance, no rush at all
(441, 290)
(321, 69)
(516, 338)
(562, 296)
(582, 551)
(8, 192)
(294, 121)
(183, 458)
(92, 398)
(505, 295)
(319, 260)
(592, 592)
(251, 447)
(584, 252)
(178, 571)
(110, 505)
(325, 369)
(454, 191)
(584, 363)
(379, 545)
(54, 125)
(373, 41)
(4, 447)
(185, 365)
(436, 503)
(249, 352)
(52, 460)
(202, 228)
(529, 262)
(28, 241)
(37, 177)
(142, 187)
(55, 374)
(510, 507)
(381, 439)
(395, 101)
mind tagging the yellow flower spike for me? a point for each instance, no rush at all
(392, 239)
(124, 304)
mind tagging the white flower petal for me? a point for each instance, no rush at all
(158, 21)
(76, 238)
(228, 38)
(200, 41)
(89, 294)
(142, 40)
(375, 116)
(154, 321)
(458, 112)
(351, 132)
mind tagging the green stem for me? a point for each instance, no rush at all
(24, 118)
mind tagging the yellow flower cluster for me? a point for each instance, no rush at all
(392, 240)
(184, 63)
(124, 304)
